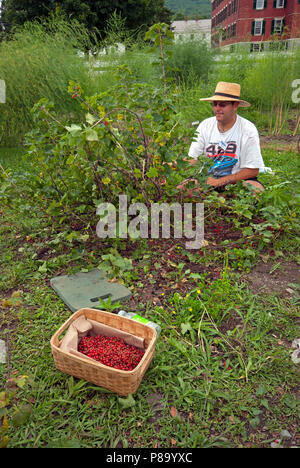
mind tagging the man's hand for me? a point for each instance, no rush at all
(216, 182)
(189, 193)
(182, 185)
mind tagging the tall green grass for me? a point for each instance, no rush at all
(269, 86)
(9, 156)
(190, 61)
(36, 63)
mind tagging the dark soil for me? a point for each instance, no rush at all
(282, 278)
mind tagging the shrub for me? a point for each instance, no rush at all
(130, 133)
(190, 61)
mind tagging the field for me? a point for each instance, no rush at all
(224, 373)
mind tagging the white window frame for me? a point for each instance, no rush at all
(261, 5)
(256, 47)
(258, 27)
(279, 3)
(277, 27)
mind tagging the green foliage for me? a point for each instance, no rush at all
(38, 63)
(281, 70)
(114, 265)
(130, 134)
(13, 412)
(92, 14)
(190, 62)
(162, 37)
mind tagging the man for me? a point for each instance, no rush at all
(231, 141)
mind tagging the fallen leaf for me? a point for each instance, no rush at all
(21, 415)
(173, 411)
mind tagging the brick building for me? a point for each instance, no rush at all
(259, 23)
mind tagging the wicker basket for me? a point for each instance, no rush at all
(118, 381)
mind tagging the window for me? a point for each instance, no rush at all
(279, 3)
(257, 47)
(259, 4)
(277, 26)
(258, 27)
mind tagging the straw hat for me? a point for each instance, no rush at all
(227, 92)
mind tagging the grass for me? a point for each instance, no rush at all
(222, 375)
(39, 63)
(11, 157)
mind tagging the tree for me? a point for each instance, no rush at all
(93, 13)
(17, 12)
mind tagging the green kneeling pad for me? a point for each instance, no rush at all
(85, 290)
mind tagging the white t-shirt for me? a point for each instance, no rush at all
(240, 142)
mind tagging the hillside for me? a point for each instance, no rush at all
(190, 8)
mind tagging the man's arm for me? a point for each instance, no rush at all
(243, 174)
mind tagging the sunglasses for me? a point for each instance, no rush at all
(221, 103)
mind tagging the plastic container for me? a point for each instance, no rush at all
(266, 170)
(143, 320)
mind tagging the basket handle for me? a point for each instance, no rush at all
(71, 319)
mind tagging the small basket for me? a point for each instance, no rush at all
(121, 382)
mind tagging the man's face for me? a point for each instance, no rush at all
(225, 111)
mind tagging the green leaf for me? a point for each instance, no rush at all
(265, 403)
(185, 327)
(91, 135)
(43, 268)
(90, 118)
(74, 128)
(254, 422)
(153, 172)
(70, 159)
(128, 402)
(261, 390)
(137, 173)
(21, 415)
(4, 399)
(247, 231)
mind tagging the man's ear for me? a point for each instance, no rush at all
(236, 105)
